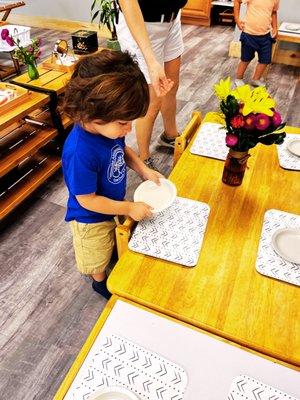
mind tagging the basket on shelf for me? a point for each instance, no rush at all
(17, 32)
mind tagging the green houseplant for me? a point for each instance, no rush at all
(107, 13)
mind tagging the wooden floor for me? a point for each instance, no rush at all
(46, 308)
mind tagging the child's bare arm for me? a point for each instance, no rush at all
(274, 24)
(135, 163)
(104, 205)
(236, 10)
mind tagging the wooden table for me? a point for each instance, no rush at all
(52, 83)
(48, 81)
(224, 294)
(289, 37)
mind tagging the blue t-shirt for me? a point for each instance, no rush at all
(92, 164)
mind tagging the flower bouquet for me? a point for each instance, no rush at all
(250, 118)
(27, 55)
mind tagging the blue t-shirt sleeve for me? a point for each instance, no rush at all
(82, 175)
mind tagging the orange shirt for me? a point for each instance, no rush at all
(259, 16)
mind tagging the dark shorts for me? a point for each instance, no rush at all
(260, 44)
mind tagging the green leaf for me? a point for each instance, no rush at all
(93, 5)
(95, 15)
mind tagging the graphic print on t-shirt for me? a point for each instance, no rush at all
(116, 169)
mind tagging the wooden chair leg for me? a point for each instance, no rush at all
(182, 141)
(123, 234)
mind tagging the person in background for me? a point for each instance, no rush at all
(152, 31)
(259, 31)
(106, 93)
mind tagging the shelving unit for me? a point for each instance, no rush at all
(23, 187)
(29, 153)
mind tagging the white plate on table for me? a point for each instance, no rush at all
(294, 146)
(286, 243)
(114, 393)
(159, 197)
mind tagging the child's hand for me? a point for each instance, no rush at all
(274, 33)
(152, 175)
(241, 24)
(139, 211)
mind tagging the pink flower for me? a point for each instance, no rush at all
(231, 140)
(262, 122)
(249, 122)
(4, 33)
(237, 121)
(276, 119)
(30, 50)
(9, 40)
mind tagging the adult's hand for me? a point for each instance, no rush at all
(161, 84)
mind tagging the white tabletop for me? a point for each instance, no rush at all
(211, 364)
(284, 29)
(222, 3)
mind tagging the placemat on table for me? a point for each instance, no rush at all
(268, 262)
(175, 234)
(245, 388)
(287, 160)
(115, 361)
(210, 141)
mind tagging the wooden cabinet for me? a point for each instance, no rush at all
(197, 12)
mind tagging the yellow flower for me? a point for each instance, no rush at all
(223, 88)
(256, 101)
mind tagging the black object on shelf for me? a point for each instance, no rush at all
(84, 42)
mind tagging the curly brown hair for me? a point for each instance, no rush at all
(108, 86)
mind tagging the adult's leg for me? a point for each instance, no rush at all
(144, 126)
(168, 103)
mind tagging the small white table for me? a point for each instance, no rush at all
(211, 363)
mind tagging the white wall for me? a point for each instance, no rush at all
(75, 10)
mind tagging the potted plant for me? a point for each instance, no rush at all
(107, 13)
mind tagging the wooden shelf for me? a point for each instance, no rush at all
(22, 189)
(27, 148)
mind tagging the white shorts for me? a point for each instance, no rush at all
(166, 40)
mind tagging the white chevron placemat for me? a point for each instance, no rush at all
(116, 361)
(245, 388)
(175, 234)
(268, 262)
(210, 141)
(287, 160)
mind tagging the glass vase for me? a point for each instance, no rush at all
(235, 166)
(32, 70)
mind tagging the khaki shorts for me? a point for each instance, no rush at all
(93, 245)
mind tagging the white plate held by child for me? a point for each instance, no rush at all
(159, 197)
(114, 393)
